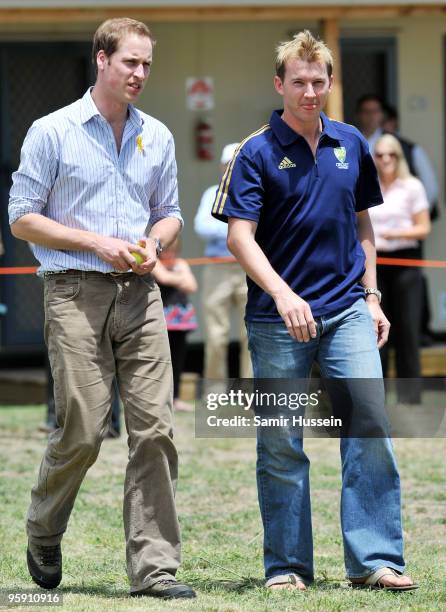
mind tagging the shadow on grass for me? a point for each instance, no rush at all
(329, 584)
(96, 591)
(228, 586)
(204, 585)
(244, 585)
(247, 584)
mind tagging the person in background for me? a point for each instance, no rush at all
(375, 118)
(399, 224)
(176, 282)
(390, 123)
(224, 286)
(372, 114)
(114, 429)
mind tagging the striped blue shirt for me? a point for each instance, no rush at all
(70, 171)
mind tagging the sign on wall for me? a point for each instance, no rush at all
(200, 93)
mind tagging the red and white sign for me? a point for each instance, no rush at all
(200, 93)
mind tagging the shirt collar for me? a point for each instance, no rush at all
(89, 110)
(135, 118)
(330, 128)
(287, 135)
(88, 107)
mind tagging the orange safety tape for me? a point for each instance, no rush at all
(417, 263)
(19, 270)
(199, 261)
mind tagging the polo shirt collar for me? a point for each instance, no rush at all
(329, 128)
(287, 136)
(89, 110)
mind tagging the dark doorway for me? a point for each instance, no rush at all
(36, 78)
(368, 66)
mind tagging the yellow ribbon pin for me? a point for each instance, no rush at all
(139, 144)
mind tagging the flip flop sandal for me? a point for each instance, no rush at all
(374, 581)
(291, 579)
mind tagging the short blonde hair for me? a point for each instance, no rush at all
(306, 47)
(402, 169)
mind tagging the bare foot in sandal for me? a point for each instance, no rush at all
(287, 582)
(387, 579)
(288, 587)
(399, 581)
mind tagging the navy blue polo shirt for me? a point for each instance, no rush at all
(305, 208)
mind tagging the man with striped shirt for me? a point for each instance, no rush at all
(92, 177)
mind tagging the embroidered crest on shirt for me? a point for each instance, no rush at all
(286, 163)
(140, 144)
(341, 155)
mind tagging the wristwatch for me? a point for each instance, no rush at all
(373, 291)
(158, 245)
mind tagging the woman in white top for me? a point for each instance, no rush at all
(399, 224)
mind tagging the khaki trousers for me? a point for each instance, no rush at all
(95, 325)
(224, 287)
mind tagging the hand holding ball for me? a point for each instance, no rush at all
(138, 258)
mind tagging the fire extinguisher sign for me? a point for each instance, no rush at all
(200, 93)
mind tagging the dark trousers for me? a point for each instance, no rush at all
(177, 341)
(402, 303)
(425, 308)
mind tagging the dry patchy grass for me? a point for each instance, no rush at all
(220, 523)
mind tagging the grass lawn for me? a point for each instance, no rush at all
(220, 523)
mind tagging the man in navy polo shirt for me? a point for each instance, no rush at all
(296, 195)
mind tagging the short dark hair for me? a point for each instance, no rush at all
(110, 33)
(390, 112)
(370, 97)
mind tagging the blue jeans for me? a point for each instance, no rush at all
(345, 347)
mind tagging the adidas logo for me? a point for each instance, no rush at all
(286, 163)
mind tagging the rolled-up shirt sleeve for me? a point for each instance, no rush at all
(37, 172)
(164, 199)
